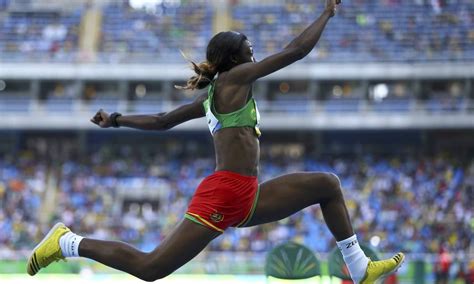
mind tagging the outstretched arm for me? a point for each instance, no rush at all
(161, 121)
(296, 50)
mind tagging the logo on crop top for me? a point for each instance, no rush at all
(217, 217)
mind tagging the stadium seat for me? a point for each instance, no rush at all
(392, 105)
(447, 104)
(59, 105)
(147, 106)
(342, 105)
(19, 104)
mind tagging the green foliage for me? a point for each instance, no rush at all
(292, 261)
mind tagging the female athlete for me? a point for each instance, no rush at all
(231, 196)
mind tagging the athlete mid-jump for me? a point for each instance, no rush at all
(231, 196)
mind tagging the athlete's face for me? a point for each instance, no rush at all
(246, 53)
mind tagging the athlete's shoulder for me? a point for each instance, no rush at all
(201, 98)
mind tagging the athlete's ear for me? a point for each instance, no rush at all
(233, 58)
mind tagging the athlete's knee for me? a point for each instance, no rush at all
(330, 182)
(334, 180)
(334, 184)
(151, 271)
(148, 277)
(151, 275)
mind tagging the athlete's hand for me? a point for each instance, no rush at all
(331, 6)
(102, 119)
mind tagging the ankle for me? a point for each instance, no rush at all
(354, 257)
(69, 244)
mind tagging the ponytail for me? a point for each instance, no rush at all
(205, 73)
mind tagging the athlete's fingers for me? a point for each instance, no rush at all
(103, 114)
(95, 121)
(96, 115)
(96, 118)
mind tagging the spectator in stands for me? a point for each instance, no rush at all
(393, 187)
(442, 266)
(436, 30)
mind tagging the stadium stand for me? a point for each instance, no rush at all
(137, 195)
(155, 36)
(22, 183)
(367, 31)
(364, 31)
(392, 64)
(39, 36)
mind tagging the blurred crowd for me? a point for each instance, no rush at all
(161, 34)
(417, 204)
(45, 36)
(389, 30)
(22, 183)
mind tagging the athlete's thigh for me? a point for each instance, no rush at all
(287, 194)
(186, 241)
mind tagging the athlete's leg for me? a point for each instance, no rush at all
(288, 194)
(285, 195)
(180, 246)
(183, 244)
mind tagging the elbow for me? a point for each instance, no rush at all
(160, 124)
(166, 127)
(304, 51)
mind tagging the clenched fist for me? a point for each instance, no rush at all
(331, 6)
(102, 119)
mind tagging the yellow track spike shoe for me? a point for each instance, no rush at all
(48, 250)
(379, 269)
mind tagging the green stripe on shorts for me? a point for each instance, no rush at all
(195, 220)
(254, 205)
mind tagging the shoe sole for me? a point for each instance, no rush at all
(30, 259)
(382, 277)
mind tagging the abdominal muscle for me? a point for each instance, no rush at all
(237, 150)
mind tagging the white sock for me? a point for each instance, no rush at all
(354, 257)
(69, 244)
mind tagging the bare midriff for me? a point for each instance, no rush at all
(237, 150)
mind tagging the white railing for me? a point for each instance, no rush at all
(275, 116)
(179, 70)
(315, 107)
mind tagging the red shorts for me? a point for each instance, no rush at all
(224, 199)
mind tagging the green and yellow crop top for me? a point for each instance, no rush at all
(247, 116)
